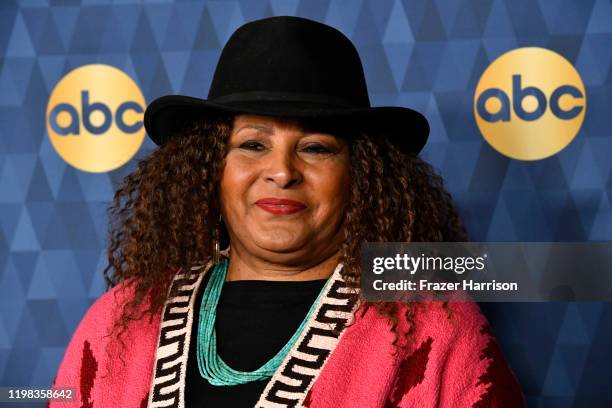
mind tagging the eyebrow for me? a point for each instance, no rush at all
(263, 128)
(306, 126)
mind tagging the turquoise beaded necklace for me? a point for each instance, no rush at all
(211, 366)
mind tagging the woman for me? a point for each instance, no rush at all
(235, 249)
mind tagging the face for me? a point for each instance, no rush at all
(283, 190)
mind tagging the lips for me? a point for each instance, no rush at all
(280, 206)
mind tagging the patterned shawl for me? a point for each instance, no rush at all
(343, 358)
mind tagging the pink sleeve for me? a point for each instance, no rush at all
(456, 363)
(84, 355)
(477, 374)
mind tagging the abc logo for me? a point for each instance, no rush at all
(94, 118)
(529, 103)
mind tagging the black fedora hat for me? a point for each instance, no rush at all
(290, 67)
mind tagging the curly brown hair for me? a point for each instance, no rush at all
(163, 215)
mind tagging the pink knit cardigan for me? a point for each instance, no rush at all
(342, 359)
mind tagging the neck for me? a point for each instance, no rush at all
(243, 267)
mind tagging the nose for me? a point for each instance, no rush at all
(281, 168)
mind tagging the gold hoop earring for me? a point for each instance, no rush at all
(217, 243)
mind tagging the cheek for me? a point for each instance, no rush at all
(235, 181)
(331, 188)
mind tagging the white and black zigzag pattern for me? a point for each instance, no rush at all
(168, 383)
(296, 374)
(294, 377)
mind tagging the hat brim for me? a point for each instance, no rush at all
(405, 127)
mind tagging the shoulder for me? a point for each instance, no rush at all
(108, 306)
(100, 319)
(446, 324)
(455, 332)
(450, 319)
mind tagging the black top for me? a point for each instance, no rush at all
(255, 319)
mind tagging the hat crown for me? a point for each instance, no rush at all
(289, 67)
(289, 58)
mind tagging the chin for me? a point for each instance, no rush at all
(281, 244)
(280, 247)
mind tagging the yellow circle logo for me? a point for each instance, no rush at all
(530, 103)
(94, 118)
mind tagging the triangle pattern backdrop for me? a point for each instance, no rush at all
(425, 54)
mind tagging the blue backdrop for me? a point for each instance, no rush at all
(424, 54)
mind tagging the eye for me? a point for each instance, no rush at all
(252, 145)
(316, 148)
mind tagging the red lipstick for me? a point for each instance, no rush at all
(280, 206)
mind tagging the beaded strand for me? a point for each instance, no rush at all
(210, 364)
